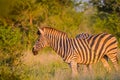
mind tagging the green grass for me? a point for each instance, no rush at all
(50, 66)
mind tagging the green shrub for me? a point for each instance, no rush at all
(10, 52)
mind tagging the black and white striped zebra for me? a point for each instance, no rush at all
(76, 51)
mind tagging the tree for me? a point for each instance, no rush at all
(108, 6)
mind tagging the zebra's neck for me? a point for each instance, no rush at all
(59, 44)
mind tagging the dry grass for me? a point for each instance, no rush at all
(48, 58)
(50, 66)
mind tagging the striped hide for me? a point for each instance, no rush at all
(76, 51)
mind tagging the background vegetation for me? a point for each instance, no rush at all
(19, 20)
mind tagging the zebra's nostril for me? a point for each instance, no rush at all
(33, 49)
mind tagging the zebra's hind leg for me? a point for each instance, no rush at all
(105, 64)
(114, 59)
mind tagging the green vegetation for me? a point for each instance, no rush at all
(19, 20)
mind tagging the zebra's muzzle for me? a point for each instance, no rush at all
(34, 51)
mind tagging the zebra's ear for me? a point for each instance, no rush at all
(41, 31)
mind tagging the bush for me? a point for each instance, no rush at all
(10, 52)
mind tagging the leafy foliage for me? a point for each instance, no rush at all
(19, 20)
(10, 48)
(109, 6)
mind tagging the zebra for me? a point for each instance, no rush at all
(76, 51)
(83, 35)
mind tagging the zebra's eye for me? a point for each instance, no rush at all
(38, 32)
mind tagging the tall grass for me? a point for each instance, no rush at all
(50, 66)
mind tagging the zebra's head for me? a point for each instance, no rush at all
(41, 42)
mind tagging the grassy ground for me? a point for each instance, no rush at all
(50, 66)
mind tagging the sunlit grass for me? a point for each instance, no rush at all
(51, 67)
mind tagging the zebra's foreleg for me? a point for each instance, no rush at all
(74, 69)
(105, 64)
(87, 68)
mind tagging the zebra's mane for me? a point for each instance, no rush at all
(52, 31)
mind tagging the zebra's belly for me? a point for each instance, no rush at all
(91, 62)
(88, 60)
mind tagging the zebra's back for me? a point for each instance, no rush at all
(83, 36)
